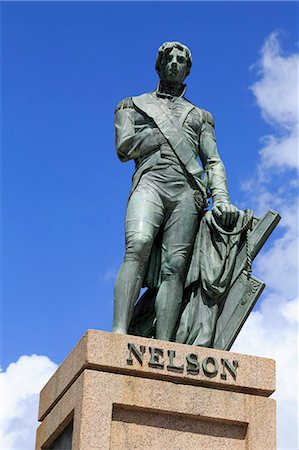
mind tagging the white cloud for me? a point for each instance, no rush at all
(280, 152)
(272, 330)
(109, 275)
(278, 266)
(276, 90)
(276, 93)
(20, 387)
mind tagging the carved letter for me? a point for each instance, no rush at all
(138, 355)
(231, 367)
(154, 359)
(192, 364)
(171, 366)
(210, 360)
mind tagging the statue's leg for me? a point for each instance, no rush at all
(178, 239)
(145, 214)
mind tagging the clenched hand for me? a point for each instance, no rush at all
(226, 214)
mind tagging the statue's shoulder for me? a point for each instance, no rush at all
(143, 98)
(207, 116)
(124, 104)
(130, 102)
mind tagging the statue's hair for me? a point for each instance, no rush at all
(166, 48)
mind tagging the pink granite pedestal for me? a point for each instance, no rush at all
(125, 393)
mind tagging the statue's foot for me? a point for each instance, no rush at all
(119, 331)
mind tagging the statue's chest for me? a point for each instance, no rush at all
(188, 120)
(175, 109)
(174, 114)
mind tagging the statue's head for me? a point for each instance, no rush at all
(173, 62)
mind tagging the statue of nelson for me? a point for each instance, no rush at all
(165, 133)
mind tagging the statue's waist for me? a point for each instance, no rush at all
(166, 153)
(165, 166)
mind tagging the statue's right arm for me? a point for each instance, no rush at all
(132, 140)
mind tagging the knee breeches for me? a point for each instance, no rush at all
(148, 212)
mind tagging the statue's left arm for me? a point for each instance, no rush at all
(215, 170)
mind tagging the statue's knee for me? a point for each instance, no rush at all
(138, 246)
(173, 267)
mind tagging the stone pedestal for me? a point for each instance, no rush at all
(125, 392)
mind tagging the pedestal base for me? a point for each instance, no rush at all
(126, 392)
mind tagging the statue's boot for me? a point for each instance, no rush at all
(126, 292)
(168, 306)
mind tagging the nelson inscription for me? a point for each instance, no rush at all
(190, 363)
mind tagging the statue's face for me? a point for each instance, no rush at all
(174, 66)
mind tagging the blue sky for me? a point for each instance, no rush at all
(65, 67)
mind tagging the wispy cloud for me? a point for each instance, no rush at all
(20, 387)
(109, 275)
(272, 330)
(276, 90)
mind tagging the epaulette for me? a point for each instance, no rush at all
(123, 104)
(207, 116)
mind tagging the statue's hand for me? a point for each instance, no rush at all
(226, 214)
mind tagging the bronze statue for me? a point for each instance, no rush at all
(184, 255)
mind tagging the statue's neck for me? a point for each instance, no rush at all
(170, 88)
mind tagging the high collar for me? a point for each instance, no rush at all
(167, 89)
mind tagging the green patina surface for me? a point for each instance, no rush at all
(194, 263)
